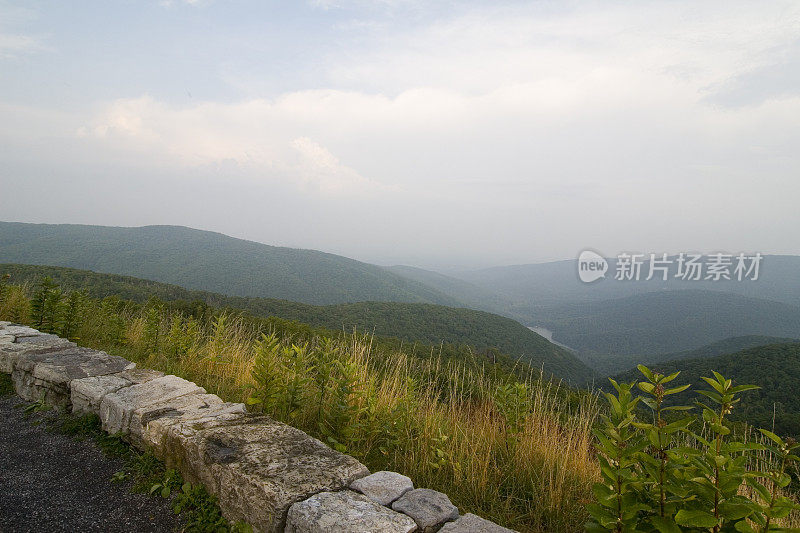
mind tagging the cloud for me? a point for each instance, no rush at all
(495, 130)
(320, 169)
(267, 139)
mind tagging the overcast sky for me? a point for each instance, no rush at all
(437, 134)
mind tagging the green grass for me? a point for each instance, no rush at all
(6, 384)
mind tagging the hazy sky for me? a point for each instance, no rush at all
(430, 133)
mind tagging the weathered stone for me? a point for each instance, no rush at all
(383, 487)
(429, 508)
(42, 339)
(345, 511)
(87, 393)
(257, 467)
(21, 331)
(11, 351)
(117, 408)
(194, 408)
(470, 523)
(149, 424)
(47, 375)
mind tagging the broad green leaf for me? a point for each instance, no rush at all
(646, 387)
(678, 408)
(695, 518)
(676, 390)
(665, 525)
(735, 511)
(772, 436)
(742, 388)
(646, 371)
(669, 378)
(715, 384)
(743, 527)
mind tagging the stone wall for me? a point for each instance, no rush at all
(266, 473)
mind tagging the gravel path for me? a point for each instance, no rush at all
(52, 482)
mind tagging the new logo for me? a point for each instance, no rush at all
(591, 266)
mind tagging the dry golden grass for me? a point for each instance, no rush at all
(454, 440)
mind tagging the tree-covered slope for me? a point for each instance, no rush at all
(667, 322)
(210, 261)
(774, 367)
(613, 364)
(424, 323)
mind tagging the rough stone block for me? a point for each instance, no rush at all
(429, 508)
(21, 331)
(11, 351)
(194, 408)
(383, 487)
(149, 424)
(345, 511)
(87, 393)
(48, 374)
(470, 523)
(257, 467)
(117, 408)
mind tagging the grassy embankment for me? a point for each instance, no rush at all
(517, 451)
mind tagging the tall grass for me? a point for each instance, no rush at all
(518, 452)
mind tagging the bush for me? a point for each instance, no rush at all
(677, 474)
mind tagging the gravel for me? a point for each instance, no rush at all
(53, 482)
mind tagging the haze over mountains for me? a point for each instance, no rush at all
(601, 321)
(416, 323)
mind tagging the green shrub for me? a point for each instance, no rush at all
(677, 473)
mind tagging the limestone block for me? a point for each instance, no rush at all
(117, 408)
(429, 508)
(48, 374)
(383, 487)
(470, 523)
(345, 511)
(194, 408)
(257, 467)
(87, 393)
(11, 351)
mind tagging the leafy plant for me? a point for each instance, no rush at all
(72, 314)
(267, 389)
(37, 406)
(202, 512)
(45, 305)
(664, 476)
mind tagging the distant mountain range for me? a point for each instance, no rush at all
(665, 322)
(210, 261)
(412, 322)
(602, 320)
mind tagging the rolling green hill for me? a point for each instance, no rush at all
(773, 367)
(667, 322)
(205, 260)
(613, 364)
(424, 323)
